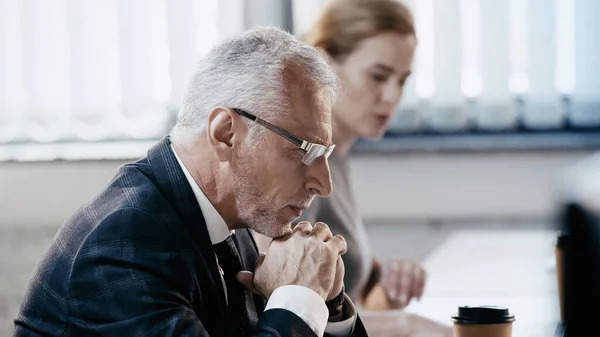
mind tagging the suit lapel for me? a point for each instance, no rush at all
(174, 185)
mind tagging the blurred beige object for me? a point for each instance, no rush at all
(397, 323)
(376, 300)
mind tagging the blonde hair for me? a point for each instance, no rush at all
(343, 24)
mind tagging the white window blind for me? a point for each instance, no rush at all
(543, 100)
(98, 70)
(586, 96)
(499, 65)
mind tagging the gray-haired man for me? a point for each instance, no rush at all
(165, 248)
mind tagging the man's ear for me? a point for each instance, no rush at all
(221, 132)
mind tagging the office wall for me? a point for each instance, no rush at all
(394, 188)
(460, 187)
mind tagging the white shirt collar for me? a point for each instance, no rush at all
(217, 228)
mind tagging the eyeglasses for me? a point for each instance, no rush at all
(313, 151)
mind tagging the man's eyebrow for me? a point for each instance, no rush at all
(314, 139)
(318, 140)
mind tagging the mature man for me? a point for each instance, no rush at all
(164, 249)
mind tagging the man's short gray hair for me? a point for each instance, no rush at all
(247, 72)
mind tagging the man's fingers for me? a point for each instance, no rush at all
(322, 231)
(303, 227)
(339, 275)
(246, 278)
(339, 243)
(340, 264)
(260, 260)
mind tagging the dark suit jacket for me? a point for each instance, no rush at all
(137, 260)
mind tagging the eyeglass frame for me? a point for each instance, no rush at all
(303, 144)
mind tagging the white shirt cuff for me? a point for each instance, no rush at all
(303, 302)
(343, 328)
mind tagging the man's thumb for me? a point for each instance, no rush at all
(246, 278)
(260, 260)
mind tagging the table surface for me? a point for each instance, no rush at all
(512, 268)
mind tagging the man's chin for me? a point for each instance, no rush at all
(281, 232)
(285, 231)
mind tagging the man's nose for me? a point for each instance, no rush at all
(318, 180)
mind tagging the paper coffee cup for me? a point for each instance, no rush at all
(483, 321)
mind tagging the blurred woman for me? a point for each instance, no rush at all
(370, 44)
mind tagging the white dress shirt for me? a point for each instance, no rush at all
(302, 301)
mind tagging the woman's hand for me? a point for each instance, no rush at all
(402, 280)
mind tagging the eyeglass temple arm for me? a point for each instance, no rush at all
(303, 144)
